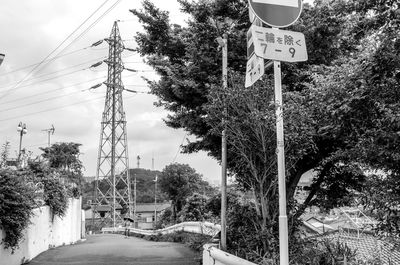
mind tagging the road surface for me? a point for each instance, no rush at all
(112, 249)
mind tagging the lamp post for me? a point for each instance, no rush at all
(2, 55)
(223, 43)
(22, 130)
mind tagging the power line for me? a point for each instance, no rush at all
(40, 101)
(56, 108)
(25, 67)
(27, 85)
(179, 148)
(53, 51)
(61, 70)
(52, 90)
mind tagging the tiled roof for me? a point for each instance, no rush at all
(368, 246)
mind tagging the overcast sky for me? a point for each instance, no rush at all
(57, 93)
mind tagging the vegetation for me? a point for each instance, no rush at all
(341, 107)
(16, 203)
(179, 181)
(40, 183)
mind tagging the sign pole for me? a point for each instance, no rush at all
(283, 224)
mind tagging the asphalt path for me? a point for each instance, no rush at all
(114, 249)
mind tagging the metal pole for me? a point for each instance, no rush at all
(20, 144)
(114, 44)
(48, 138)
(134, 202)
(224, 151)
(283, 224)
(155, 202)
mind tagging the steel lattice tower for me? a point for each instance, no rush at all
(113, 190)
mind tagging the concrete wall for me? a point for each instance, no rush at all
(214, 256)
(45, 233)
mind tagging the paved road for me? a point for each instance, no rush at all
(113, 249)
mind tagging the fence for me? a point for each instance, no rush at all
(205, 228)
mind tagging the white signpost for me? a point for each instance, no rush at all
(255, 64)
(279, 46)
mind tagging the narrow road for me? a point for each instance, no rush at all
(114, 249)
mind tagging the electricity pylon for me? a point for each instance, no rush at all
(113, 190)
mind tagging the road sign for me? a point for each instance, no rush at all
(279, 45)
(254, 70)
(277, 13)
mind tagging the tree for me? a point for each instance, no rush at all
(340, 107)
(178, 181)
(64, 159)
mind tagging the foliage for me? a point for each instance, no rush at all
(382, 196)
(16, 203)
(63, 160)
(341, 107)
(5, 151)
(178, 181)
(323, 252)
(64, 156)
(194, 209)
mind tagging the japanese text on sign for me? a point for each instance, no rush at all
(279, 45)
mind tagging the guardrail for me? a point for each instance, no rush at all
(214, 256)
(204, 228)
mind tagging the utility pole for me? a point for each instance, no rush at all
(51, 130)
(155, 201)
(113, 146)
(223, 43)
(138, 161)
(134, 202)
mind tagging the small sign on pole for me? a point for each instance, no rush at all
(279, 45)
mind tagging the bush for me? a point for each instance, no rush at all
(16, 203)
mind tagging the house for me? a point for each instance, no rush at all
(145, 213)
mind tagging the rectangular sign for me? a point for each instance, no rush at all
(279, 45)
(292, 3)
(254, 70)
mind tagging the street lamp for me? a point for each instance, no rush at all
(1, 57)
(22, 130)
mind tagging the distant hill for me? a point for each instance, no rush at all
(144, 190)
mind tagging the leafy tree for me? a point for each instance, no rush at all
(178, 181)
(5, 150)
(64, 159)
(341, 106)
(194, 208)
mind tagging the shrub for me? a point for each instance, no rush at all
(16, 203)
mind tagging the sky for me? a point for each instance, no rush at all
(56, 92)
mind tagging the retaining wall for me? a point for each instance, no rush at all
(45, 232)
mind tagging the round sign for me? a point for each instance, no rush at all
(277, 13)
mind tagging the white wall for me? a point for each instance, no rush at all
(45, 233)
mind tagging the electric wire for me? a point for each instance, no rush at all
(56, 108)
(41, 101)
(58, 71)
(179, 148)
(62, 55)
(52, 90)
(53, 51)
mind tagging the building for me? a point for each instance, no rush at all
(145, 213)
